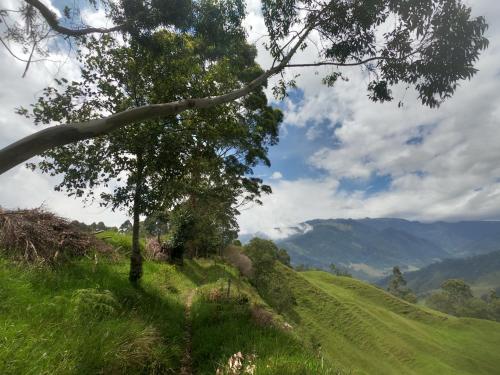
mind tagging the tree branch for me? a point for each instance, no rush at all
(332, 63)
(53, 22)
(61, 135)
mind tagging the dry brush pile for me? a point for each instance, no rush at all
(40, 236)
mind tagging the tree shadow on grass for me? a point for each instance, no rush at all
(200, 275)
(145, 333)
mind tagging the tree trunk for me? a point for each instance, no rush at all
(136, 256)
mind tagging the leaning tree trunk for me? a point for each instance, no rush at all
(136, 256)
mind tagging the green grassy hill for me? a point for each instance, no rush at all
(368, 331)
(85, 318)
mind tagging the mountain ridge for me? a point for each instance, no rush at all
(369, 248)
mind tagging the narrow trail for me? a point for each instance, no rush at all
(187, 360)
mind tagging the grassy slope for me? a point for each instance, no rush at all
(46, 329)
(367, 330)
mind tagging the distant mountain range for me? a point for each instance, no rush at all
(369, 248)
(482, 272)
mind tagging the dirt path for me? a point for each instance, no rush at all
(187, 361)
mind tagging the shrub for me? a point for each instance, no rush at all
(93, 303)
(235, 256)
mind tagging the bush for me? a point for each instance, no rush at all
(93, 303)
(235, 256)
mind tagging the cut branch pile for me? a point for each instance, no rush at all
(40, 236)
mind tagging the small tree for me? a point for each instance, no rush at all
(271, 285)
(339, 271)
(126, 226)
(397, 286)
(457, 291)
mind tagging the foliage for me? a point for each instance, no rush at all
(428, 44)
(158, 164)
(273, 289)
(456, 298)
(397, 286)
(481, 272)
(126, 226)
(339, 271)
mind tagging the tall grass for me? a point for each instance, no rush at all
(84, 318)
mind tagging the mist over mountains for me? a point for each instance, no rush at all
(369, 248)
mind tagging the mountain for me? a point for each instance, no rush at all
(369, 248)
(482, 272)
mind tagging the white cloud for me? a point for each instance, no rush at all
(453, 174)
(276, 176)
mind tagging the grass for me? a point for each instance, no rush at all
(368, 331)
(226, 323)
(122, 242)
(85, 318)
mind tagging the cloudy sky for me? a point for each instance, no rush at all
(340, 155)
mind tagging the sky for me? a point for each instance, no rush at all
(339, 156)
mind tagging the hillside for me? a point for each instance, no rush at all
(369, 331)
(371, 247)
(482, 272)
(85, 317)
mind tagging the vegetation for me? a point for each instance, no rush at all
(264, 255)
(397, 286)
(170, 117)
(201, 159)
(339, 271)
(429, 45)
(85, 317)
(456, 298)
(356, 324)
(481, 272)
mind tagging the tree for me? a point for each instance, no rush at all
(397, 281)
(272, 286)
(456, 298)
(160, 163)
(284, 257)
(156, 224)
(126, 226)
(457, 291)
(397, 286)
(430, 45)
(339, 271)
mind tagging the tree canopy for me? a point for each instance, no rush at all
(430, 45)
(202, 157)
